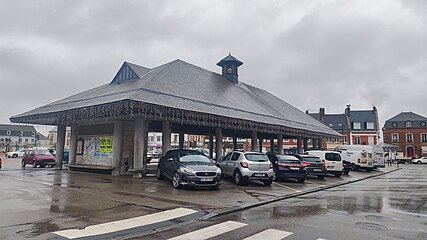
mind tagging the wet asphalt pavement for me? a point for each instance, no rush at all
(36, 202)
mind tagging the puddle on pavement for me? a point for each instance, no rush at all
(371, 226)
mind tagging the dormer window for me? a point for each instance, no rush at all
(408, 124)
(8, 133)
(21, 133)
(356, 125)
(331, 125)
(370, 125)
(33, 134)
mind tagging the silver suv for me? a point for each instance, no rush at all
(244, 166)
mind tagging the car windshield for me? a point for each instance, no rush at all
(311, 159)
(253, 157)
(187, 157)
(42, 153)
(288, 159)
(333, 156)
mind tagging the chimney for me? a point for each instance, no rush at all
(229, 66)
(322, 115)
(347, 111)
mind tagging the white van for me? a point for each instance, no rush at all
(332, 160)
(360, 156)
(378, 156)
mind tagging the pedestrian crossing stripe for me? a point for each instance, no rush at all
(270, 234)
(125, 224)
(210, 231)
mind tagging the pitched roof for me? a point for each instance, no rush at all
(364, 116)
(399, 121)
(181, 85)
(13, 127)
(338, 121)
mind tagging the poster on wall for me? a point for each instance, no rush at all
(98, 151)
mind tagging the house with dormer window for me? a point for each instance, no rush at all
(357, 127)
(407, 130)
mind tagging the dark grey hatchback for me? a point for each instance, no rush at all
(189, 168)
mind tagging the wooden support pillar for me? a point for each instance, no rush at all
(305, 144)
(299, 145)
(254, 139)
(280, 144)
(73, 143)
(117, 147)
(181, 140)
(320, 143)
(140, 148)
(211, 146)
(166, 137)
(234, 142)
(60, 142)
(272, 145)
(218, 141)
(260, 144)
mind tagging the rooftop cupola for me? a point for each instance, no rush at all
(229, 66)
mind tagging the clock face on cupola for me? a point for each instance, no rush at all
(229, 66)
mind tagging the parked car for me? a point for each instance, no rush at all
(15, 154)
(288, 166)
(419, 160)
(244, 166)
(189, 168)
(313, 165)
(332, 160)
(152, 154)
(36, 158)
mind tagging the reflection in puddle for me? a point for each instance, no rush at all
(355, 204)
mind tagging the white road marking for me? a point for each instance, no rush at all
(270, 234)
(286, 187)
(125, 224)
(321, 239)
(210, 231)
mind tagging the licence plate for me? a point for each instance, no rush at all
(206, 179)
(259, 174)
(317, 170)
(294, 168)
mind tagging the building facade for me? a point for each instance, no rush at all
(407, 130)
(13, 137)
(357, 127)
(53, 135)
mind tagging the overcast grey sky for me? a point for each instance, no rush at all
(311, 54)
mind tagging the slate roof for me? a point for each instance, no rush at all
(336, 120)
(364, 116)
(16, 129)
(181, 85)
(417, 121)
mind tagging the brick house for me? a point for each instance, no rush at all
(358, 127)
(407, 130)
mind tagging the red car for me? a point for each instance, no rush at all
(36, 158)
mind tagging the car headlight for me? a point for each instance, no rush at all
(186, 170)
(218, 170)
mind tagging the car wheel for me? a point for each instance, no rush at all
(268, 182)
(338, 174)
(239, 179)
(321, 177)
(301, 180)
(15, 155)
(159, 174)
(176, 180)
(34, 164)
(347, 171)
(22, 163)
(419, 162)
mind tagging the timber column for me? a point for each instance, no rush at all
(254, 141)
(211, 146)
(117, 146)
(305, 144)
(272, 145)
(234, 142)
(73, 143)
(280, 144)
(218, 143)
(60, 142)
(140, 148)
(260, 144)
(299, 145)
(166, 137)
(181, 140)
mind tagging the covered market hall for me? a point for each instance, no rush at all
(110, 123)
